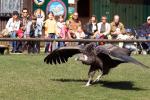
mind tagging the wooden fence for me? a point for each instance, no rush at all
(75, 40)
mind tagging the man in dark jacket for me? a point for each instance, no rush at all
(91, 27)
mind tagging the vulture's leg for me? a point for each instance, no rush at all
(91, 74)
(98, 77)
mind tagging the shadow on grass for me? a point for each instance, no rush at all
(121, 85)
(69, 80)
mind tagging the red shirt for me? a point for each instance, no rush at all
(20, 33)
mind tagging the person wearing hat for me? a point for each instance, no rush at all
(144, 33)
(12, 26)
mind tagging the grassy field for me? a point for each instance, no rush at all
(26, 77)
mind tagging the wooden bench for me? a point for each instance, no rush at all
(4, 47)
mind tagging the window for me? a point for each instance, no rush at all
(8, 6)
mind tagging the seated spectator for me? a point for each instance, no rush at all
(129, 36)
(50, 32)
(144, 32)
(103, 29)
(73, 24)
(25, 18)
(116, 27)
(117, 30)
(80, 33)
(91, 27)
(19, 35)
(12, 26)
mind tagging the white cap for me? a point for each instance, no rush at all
(148, 18)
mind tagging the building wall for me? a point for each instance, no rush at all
(131, 12)
(4, 15)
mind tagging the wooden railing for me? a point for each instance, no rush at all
(75, 40)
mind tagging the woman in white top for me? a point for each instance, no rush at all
(12, 26)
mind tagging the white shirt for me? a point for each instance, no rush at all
(12, 25)
(107, 26)
(94, 27)
(80, 35)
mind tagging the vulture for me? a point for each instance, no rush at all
(100, 58)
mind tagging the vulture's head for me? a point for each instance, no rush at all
(89, 47)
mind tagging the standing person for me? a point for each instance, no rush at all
(61, 31)
(12, 26)
(91, 27)
(31, 45)
(50, 32)
(38, 31)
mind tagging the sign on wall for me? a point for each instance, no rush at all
(57, 7)
(71, 1)
(39, 2)
(39, 13)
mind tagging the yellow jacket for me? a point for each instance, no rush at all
(50, 26)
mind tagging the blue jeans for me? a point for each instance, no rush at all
(50, 46)
(146, 43)
(61, 44)
(14, 43)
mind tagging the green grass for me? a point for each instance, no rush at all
(27, 77)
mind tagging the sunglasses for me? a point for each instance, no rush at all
(25, 12)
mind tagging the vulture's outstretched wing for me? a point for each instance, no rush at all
(121, 53)
(61, 55)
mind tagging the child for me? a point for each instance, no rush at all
(79, 34)
(62, 31)
(19, 34)
(32, 44)
(38, 31)
(129, 36)
(50, 32)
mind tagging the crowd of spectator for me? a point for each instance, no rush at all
(31, 26)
